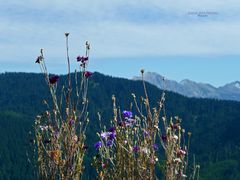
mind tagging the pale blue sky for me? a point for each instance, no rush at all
(198, 40)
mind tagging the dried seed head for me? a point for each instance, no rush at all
(45, 102)
(142, 71)
(175, 137)
(184, 175)
(87, 45)
(75, 139)
(178, 120)
(66, 34)
(182, 152)
(168, 130)
(154, 110)
(54, 112)
(47, 113)
(55, 155)
(164, 118)
(161, 104)
(113, 97)
(67, 111)
(156, 127)
(178, 160)
(134, 96)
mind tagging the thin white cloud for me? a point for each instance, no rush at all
(170, 5)
(31, 25)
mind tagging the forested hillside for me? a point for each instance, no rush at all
(213, 123)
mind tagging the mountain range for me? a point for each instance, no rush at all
(186, 87)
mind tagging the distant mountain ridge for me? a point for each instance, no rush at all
(190, 88)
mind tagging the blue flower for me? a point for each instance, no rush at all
(98, 145)
(136, 149)
(108, 135)
(127, 114)
(105, 135)
(155, 147)
(109, 143)
(112, 135)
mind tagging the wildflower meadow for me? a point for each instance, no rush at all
(140, 142)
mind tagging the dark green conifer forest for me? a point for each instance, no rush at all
(214, 124)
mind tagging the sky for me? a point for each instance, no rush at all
(187, 39)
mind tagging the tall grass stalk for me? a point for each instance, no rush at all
(60, 130)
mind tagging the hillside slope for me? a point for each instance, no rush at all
(214, 123)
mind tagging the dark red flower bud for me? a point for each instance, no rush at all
(104, 165)
(82, 59)
(85, 147)
(174, 126)
(39, 59)
(122, 124)
(88, 74)
(53, 79)
(164, 138)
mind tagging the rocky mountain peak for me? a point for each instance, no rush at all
(191, 88)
